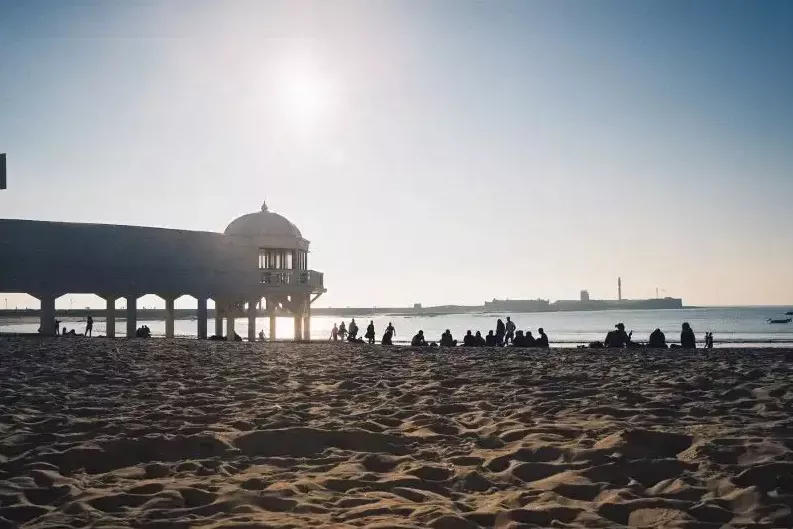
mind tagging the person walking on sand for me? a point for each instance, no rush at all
(334, 333)
(510, 328)
(370, 332)
(89, 325)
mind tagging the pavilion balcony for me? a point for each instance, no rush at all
(303, 278)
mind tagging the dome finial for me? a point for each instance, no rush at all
(264, 206)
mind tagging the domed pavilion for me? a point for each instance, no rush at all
(260, 256)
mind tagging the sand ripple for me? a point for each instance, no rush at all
(177, 434)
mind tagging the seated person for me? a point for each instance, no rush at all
(491, 340)
(469, 340)
(418, 340)
(519, 340)
(530, 341)
(687, 338)
(542, 340)
(479, 340)
(657, 340)
(387, 338)
(237, 337)
(618, 338)
(447, 340)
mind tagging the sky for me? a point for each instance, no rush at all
(435, 152)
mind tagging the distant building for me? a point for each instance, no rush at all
(585, 295)
(417, 305)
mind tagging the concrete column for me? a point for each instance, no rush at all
(169, 317)
(110, 318)
(47, 315)
(272, 327)
(201, 318)
(218, 318)
(298, 327)
(252, 321)
(230, 325)
(132, 316)
(307, 320)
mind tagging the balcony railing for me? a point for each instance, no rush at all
(310, 278)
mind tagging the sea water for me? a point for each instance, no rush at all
(735, 326)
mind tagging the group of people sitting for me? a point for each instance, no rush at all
(618, 339)
(518, 339)
(351, 333)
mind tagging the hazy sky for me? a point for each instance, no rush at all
(431, 151)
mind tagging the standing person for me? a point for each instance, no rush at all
(334, 333)
(389, 333)
(342, 331)
(500, 332)
(390, 329)
(370, 332)
(353, 330)
(510, 327)
(89, 325)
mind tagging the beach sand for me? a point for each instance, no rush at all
(175, 434)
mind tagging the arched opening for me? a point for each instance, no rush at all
(20, 313)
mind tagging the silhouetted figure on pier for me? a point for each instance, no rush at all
(389, 334)
(418, 340)
(370, 336)
(479, 340)
(529, 340)
(510, 327)
(519, 340)
(447, 340)
(618, 338)
(469, 340)
(542, 339)
(490, 339)
(501, 330)
(89, 325)
(657, 340)
(687, 338)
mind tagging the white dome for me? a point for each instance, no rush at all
(263, 223)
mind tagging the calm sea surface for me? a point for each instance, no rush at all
(740, 325)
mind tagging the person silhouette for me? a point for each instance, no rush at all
(370, 335)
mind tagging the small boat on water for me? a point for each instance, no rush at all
(786, 320)
(789, 313)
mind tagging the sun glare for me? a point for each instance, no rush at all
(304, 92)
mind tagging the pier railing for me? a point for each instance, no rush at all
(309, 278)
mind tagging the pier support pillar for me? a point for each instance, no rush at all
(110, 317)
(298, 327)
(231, 318)
(201, 319)
(307, 321)
(169, 317)
(252, 320)
(47, 315)
(218, 319)
(272, 327)
(132, 316)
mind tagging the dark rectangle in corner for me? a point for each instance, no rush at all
(2, 171)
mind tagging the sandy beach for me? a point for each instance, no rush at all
(177, 434)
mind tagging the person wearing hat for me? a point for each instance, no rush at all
(687, 338)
